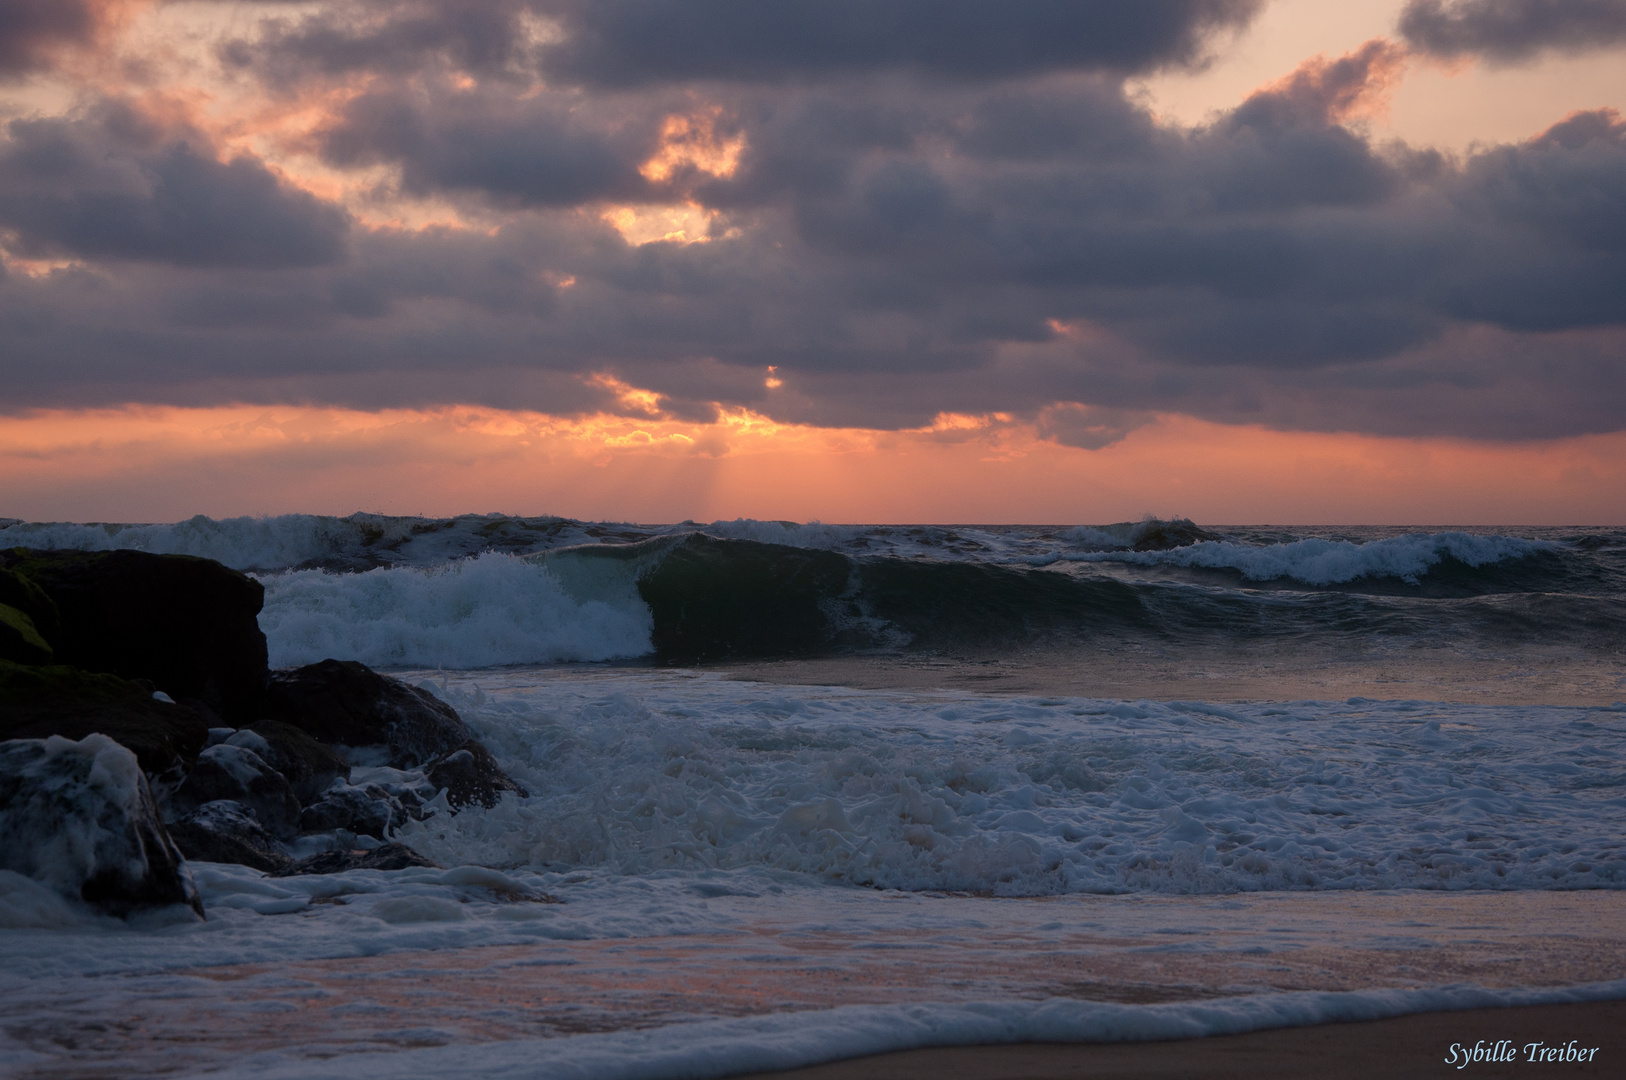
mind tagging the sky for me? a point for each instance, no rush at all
(845, 260)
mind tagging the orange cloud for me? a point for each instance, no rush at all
(1354, 86)
(693, 142)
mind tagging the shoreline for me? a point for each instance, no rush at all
(1414, 1045)
(1530, 677)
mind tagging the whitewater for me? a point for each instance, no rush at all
(762, 869)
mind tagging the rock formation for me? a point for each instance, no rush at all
(80, 817)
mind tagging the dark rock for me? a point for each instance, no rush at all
(309, 766)
(471, 777)
(79, 817)
(365, 811)
(37, 702)
(225, 832)
(20, 641)
(384, 857)
(19, 592)
(1166, 535)
(187, 624)
(341, 701)
(239, 775)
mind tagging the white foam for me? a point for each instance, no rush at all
(790, 1040)
(1040, 796)
(244, 542)
(1329, 562)
(481, 612)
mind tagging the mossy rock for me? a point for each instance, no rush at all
(22, 593)
(188, 625)
(37, 702)
(19, 640)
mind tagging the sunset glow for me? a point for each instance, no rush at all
(172, 463)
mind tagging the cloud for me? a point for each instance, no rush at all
(32, 30)
(393, 36)
(110, 184)
(638, 42)
(1512, 31)
(895, 241)
(630, 43)
(531, 154)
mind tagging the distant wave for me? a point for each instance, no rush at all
(1331, 562)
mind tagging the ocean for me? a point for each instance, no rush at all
(813, 790)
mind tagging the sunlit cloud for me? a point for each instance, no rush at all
(693, 142)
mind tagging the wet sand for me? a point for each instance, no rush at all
(1402, 1047)
(1527, 676)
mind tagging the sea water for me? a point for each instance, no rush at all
(673, 802)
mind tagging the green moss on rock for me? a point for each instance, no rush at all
(24, 594)
(188, 625)
(19, 640)
(40, 701)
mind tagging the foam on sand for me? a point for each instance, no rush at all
(789, 1040)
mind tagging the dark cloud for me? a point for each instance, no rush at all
(631, 43)
(533, 155)
(110, 185)
(636, 42)
(894, 246)
(392, 36)
(31, 30)
(1510, 31)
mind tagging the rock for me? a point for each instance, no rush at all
(187, 624)
(79, 817)
(38, 702)
(239, 775)
(365, 811)
(471, 777)
(309, 766)
(20, 641)
(23, 594)
(1165, 535)
(383, 857)
(225, 832)
(341, 701)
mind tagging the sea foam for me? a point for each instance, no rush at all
(486, 611)
(1040, 796)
